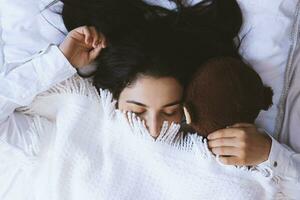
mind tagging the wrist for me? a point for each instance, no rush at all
(267, 147)
(62, 67)
(64, 51)
(279, 159)
(68, 52)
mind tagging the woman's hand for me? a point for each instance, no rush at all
(82, 46)
(241, 144)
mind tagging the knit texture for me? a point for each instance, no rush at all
(98, 152)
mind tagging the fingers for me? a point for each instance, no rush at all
(225, 133)
(87, 34)
(98, 38)
(93, 54)
(93, 39)
(231, 160)
(242, 125)
(240, 144)
(225, 151)
(91, 36)
(95, 36)
(102, 41)
(222, 142)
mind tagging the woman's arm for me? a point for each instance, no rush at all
(18, 145)
(243, 144)
(19, 87)
(285, 164)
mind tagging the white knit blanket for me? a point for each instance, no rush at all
(97, 152)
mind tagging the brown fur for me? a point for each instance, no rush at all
(225, 91)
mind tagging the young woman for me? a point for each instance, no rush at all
(154, 30)
(151, 114)
(78, 145)
(145, 69)
(204, 32)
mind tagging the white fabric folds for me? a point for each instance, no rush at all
(93, 151)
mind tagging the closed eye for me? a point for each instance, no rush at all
(169, 114)
(139, 113)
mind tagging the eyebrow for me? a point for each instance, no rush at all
(143, 105)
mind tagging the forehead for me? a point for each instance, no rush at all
(153, 92)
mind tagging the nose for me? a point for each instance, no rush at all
(154, 125)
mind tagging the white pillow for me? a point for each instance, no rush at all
(27, 30)
(1, 41)
(266, 44)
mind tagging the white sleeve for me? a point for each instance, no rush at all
(18, 145)
(285, 165)
(19, 86)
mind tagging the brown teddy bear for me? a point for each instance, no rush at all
(224, 91)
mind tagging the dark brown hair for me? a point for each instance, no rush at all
(147, 39)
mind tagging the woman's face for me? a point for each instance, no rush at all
(155, 100)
